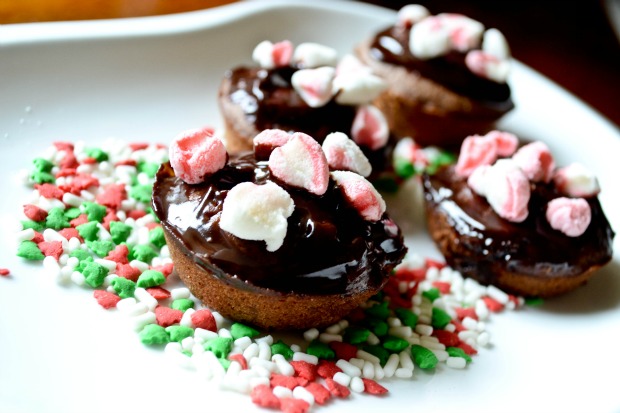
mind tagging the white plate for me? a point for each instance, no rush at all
(149, 78)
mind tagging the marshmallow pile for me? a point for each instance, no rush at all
(260, 212)
(496, 169)
(487, 51)
(321, 77)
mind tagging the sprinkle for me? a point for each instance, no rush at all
(4, 272)
(423, 357)
(179, 333)
(154, 334)
(30, 251)
(182, 304)
(56, 220)
(167, 316)
(372, 387)
(238, 330)
(150, 278)
(337, 389)
(263, 396)
(123, 287)
(204, 319)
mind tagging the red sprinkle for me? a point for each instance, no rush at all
(127, 271)
(109, 217)
(263, 396)
(137, 146)
(89, 161)
(284, 381)
(343, 350)
(64, 172)
(126, 162)
(159, 293)
(112, 196)
(239, 359)
(80, 183)
(165, 269)
(4, 272)
(320, 393)
(410, 274)
(327, 369)
(35, 213)
(38, 238)
(447, 338)
(337, 389)
(492, 304)
(81, 219)
(290, 405)
(64, 146)
(470, 312)
(50, 191)
(204, 318)
(136, 214)
(469, 350)
(442, 286)
(106, 299)
(69, 161)
(435, 264)
(69, 233)
(119, 254)
(305, 370)
(167, 316)
(51, 249)
(372, 387)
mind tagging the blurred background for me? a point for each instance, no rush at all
(573, 42)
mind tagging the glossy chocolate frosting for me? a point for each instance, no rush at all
(489, 243)
(328, 249)
(269, 101)
(392, 46)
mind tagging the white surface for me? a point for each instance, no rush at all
(148, 79)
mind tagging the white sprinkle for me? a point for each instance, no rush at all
(366, 356)
(368, 371)
(25, 235)
(303, 394)
(348, 368)
(424, 329)
(498, 294)
(203, 334)
(242, 342)
(186, 319)
(327, 338)
(403, 373)
(309, 358)
(405, 360)
(224, 332)
(251, 351)
(401, 331)
(334, 329)
(484, 339)
(282, 392)
(145, 298)
(391, 365)
(264, 350)
(311, 334)
(342, 378)
(456, 362)
(357, 385)
(441, 355)
(283, 366)
(140, 321)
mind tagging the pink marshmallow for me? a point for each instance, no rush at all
(269, 139)
(301, 163)
(344, 154)
(536, 161)
(411, 14)
(487, 65)
(269, 55)
(477, 179)
(571, 216)
(507, 190)
(465, 33)
(360, 194)
(197, 153)
(315, 86)
(576, 181)
(507, 142)
(370, 127)
(475, 151)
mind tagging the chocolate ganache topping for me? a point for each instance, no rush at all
(392, 46)
(328, 249)
(269, 101)
(529, 247)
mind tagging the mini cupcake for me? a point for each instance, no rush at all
(446, 74)
(305, 89)
(508, 216)
(281, 237)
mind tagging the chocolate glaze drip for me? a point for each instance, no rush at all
(531, 247)
(392, 46)
(328, 248)
(269, 101)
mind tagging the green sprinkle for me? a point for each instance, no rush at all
(156, 237)
(72, 213)
(395, 344)
(56, 219)
(141, 193)
(534, 301)
(220, 346)
(179, 333)
(148, 168)
(407, 317)
(224, 362)
(458, 352)
(154, 334)
(88, 231)
(144, 253)
(238, 330)
(280, 347)
(403, 168)
(28, 224)
(43, 177)
(123, 287)
(97, 154)
(94, 274)
(440, 318)
(30, 251)
(81, 254)
(94, 211)
(321, 350)
(423, 357)
(119, 231)
(356, 335)
(378, 327)
(42, 165)
(432, 294)
(182, 304)
(380, 311)
(151, 278)
(100, 247)
(378, 351)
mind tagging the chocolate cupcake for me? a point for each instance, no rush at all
(272, 237)
(446, 76)
(510, 218)
(305, 89)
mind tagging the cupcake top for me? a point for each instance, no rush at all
(288, 217)
(307, 88)
(450, 49)
(517, 203)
